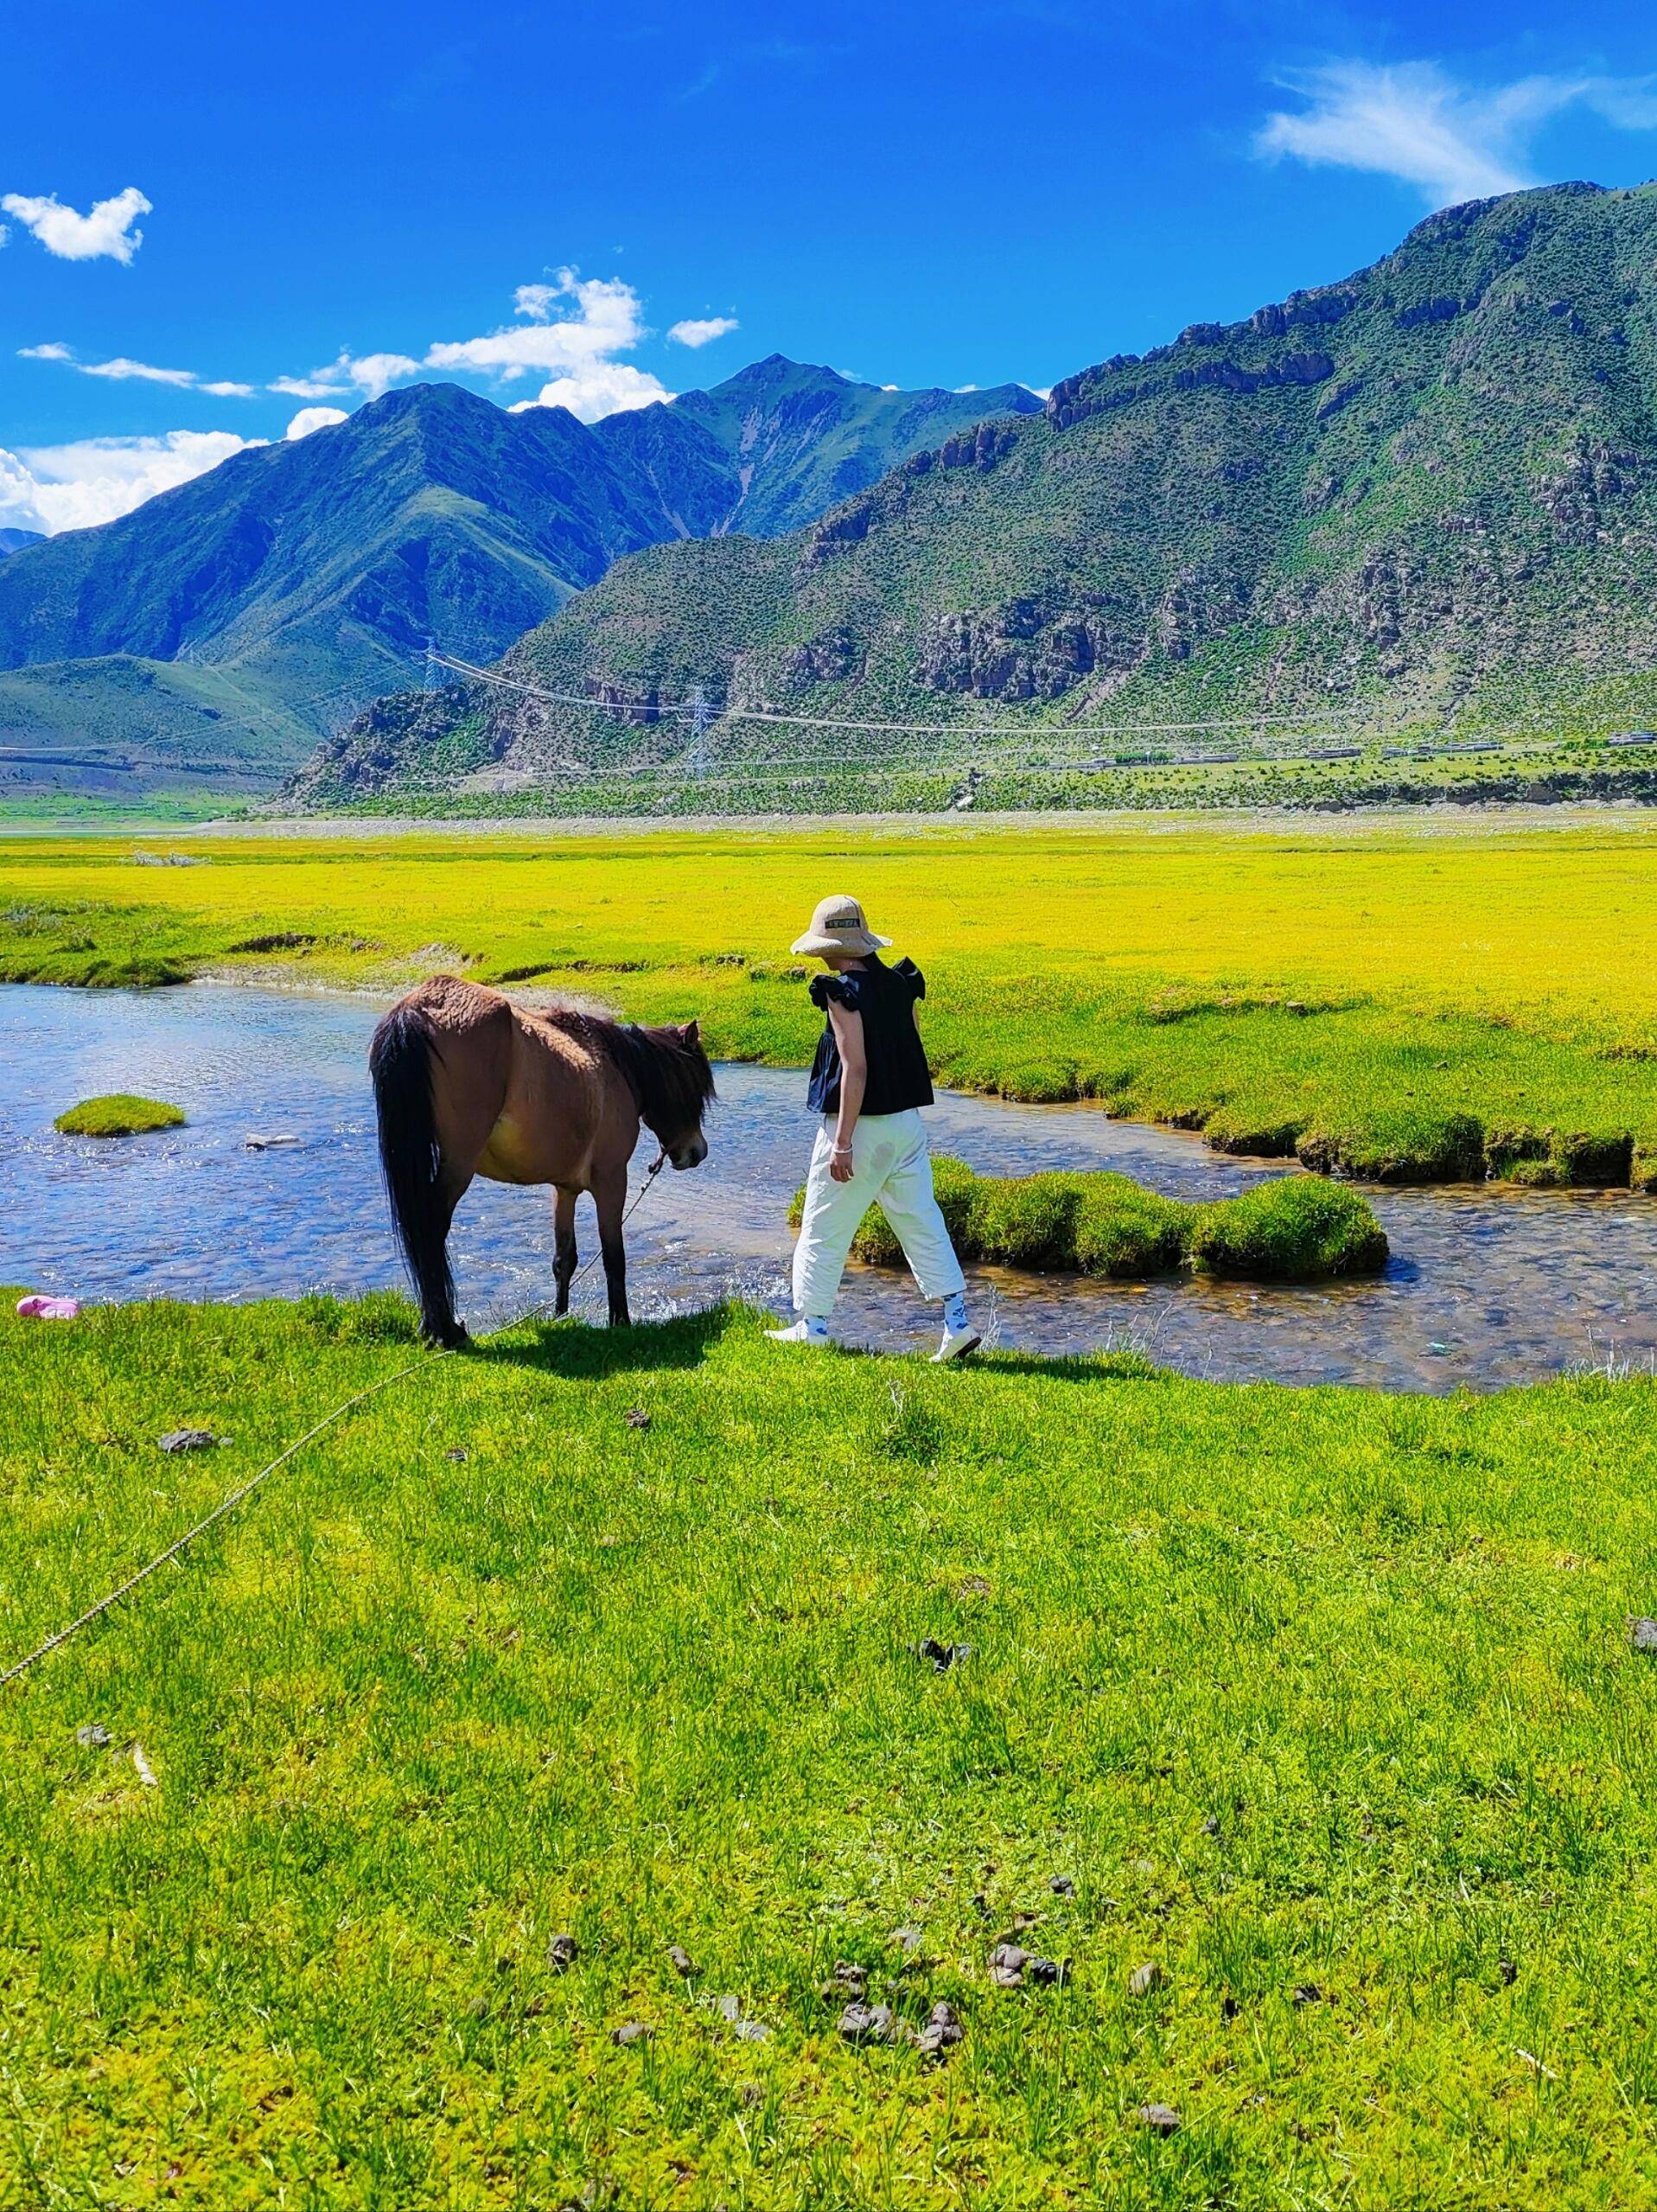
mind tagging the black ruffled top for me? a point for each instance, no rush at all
(898, 1075)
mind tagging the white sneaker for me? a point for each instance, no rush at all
(957, 1343)
(801, 1333)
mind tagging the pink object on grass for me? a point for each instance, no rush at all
(37, 1307)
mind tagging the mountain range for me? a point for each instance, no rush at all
(13, 541)
(223, 627)
(1425, 494)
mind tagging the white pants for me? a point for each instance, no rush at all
(889, 1164)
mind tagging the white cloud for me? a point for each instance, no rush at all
(123, 371)
(606, 320)
(569, 329)
(322, 384)
(605, 388)
(313, 419)
(704, 332)
(1452, 141)
(376, 373)
(107, 231)
(53, 487)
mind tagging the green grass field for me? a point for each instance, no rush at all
(1396, 1000)
(1322, 1701)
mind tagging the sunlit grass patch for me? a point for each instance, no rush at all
(118, 1113)
(1321, 1703)
(1387, 999)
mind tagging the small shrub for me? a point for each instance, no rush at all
(1294, 1228)
(119, 1114)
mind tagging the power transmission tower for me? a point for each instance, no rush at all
(430, 682)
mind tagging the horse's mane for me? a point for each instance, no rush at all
(670, 1079)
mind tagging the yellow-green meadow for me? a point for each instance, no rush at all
(1402, 999)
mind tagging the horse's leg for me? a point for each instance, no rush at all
(442, 1324)
(564, 1232)
(610, 1197)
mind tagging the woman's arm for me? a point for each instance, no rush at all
(847, 1025)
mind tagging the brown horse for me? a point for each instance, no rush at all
(467, 1083)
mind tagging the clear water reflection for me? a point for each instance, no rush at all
(1486, 1287)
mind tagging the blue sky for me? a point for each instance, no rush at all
(300, 206)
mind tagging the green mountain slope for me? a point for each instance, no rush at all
(313, 573)
(1429, 492)
(13, 540)
(801, 439)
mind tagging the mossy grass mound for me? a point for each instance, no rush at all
(1294, 1228)
(118, 1113)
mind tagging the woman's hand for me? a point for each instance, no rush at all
(840, 1165)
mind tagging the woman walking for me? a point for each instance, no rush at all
(868, 1081)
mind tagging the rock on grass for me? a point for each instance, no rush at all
(118, 1113)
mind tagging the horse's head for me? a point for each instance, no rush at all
(676, 1085)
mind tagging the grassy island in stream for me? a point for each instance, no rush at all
(1407, 1002)
(1293, 1229)
(118, 1113)
(1321, 1703)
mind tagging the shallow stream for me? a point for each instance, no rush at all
(1487, 1286)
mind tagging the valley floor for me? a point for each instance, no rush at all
(1319, 1706)
(1394, 998)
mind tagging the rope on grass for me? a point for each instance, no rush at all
(425, 1362)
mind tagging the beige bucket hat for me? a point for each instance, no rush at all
(839, 926)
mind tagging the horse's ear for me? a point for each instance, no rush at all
(692, 1033)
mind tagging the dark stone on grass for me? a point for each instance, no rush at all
(1007, 1964)
(941, 1657)
(943, 2029)
(1063, 1886)
(750, 2032)
(868, 2023)
(1162, 2119)
(187, 1440)
(679, 1958)
(1509, 1971)
(1211, 1826)
(455, 1452)
(563, 1952)
(637, 1418)
(632, 2031)
(908, 1938)
(94, 1737)
(1229, 2008)
(1643, 1634)
(1306, 1993)
(1144, 1978)
(1049, 1974)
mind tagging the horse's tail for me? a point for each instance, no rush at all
(400, 1061)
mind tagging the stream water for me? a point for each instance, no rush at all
(1487, 1286)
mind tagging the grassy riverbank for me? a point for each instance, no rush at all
(1320, 1701)
(1393, 999)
